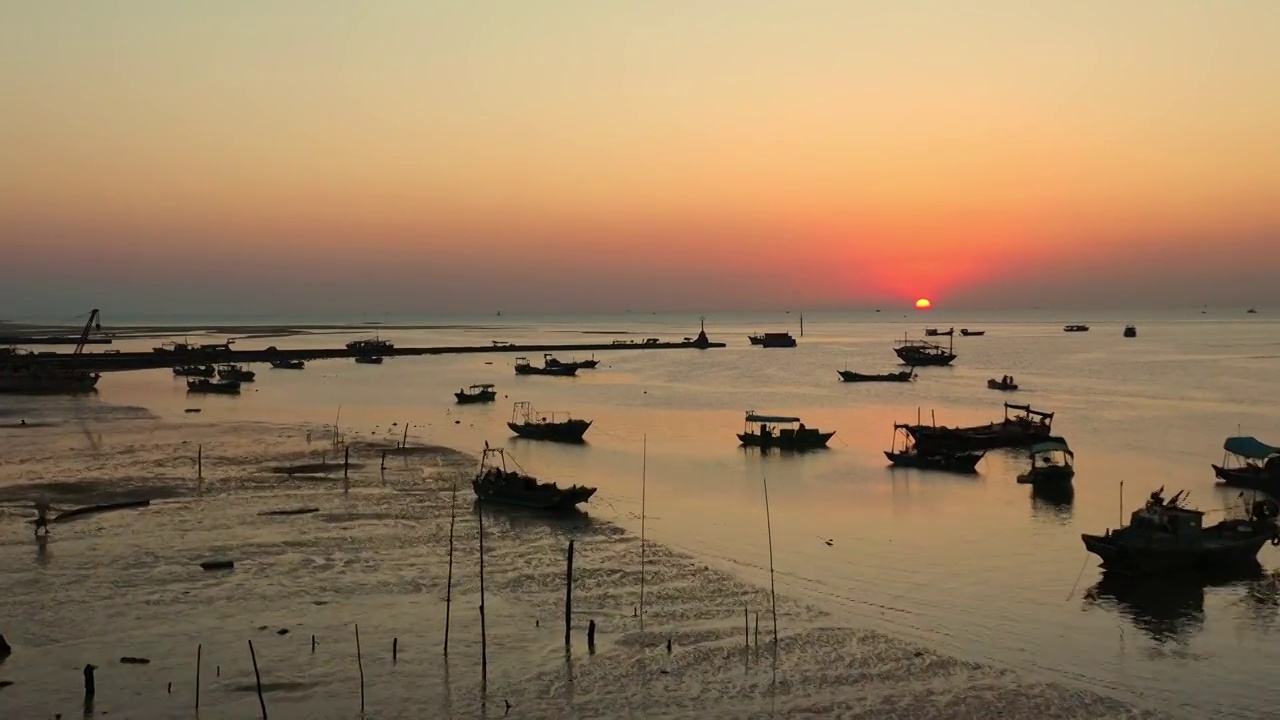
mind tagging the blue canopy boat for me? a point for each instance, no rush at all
(1249, 463)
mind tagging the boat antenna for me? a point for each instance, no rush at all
(644, 467)
(1122, 503)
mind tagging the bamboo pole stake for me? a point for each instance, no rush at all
(360, 667)
(448, 591)
(484, 634)
(773, 594)
(568, 597)
(644, 473)
(199, 461)
(258, 679)
(199, 648)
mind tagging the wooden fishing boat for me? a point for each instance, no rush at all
(370, 346)
(903, 376)
(236, 373)
(202, 385)
(779, 431)
(972, 333)
(910, 455)
(476, 394)
(556, 427)
(1052, 463)
(289, 364)
(205, 371)
(1249, 463)
(1166, 537)
(1130, 331)
(1023, 428)
(369, 359)
(935, 332)
(551, 362)
(773, 340)
(1076, 328)
(1004, 383)
(524, 367)
(918, 353)
(495, 483)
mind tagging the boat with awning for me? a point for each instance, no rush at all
(1248, 462)
(781, 431)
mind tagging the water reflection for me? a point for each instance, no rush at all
(1166, 608)
(566, 522)
(1055, 502)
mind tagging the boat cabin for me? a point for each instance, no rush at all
(1052, 454)
(1027, 416)
(1167, 523)
(370, 345)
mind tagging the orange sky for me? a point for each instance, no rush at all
(772, 154)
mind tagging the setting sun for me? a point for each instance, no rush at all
(923, 304)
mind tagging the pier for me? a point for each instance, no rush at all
(119, 361)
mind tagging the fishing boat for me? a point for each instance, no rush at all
(922, 352)
(1052, 463)
(910, 455)
(851, 376)
(476, 394)
(551, 362)
(203, 385)
(1251, 311)
(205, 371)
(557, 427)
(1130, 331)
(1023, 428)
(370, 346)
(1249, 463)
(972, 333)
(773, 340)
(935, 332)
(495, 483)
(524, 367)
(1004, 383)
(31, 380)
(369, 359)
(236, 372)
(1166, 537)
(1076, 328)
(289, 364)
(186, 348)
(779, 431)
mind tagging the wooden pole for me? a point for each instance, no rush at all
(383, 467)
(198, 652)
(404, 442)
(773, 594)
(448, 588)
(568, 597)
(360, 667)
(484, 633)
(644, 473)
(346, 460)
(757, 630)
(313, 644)
(199, 461)
(258, 678)
(746, 626)
(395, 647)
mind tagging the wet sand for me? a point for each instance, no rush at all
(128, 584)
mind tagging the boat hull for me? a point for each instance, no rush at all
(48, 383)
(788, 342)
(561, 371)
(554, 499)
(570, 431)
(965, 463)
(999, 435)
(913, 357)
(1137, 560)
(997, 385)
(1248, 478)
(808, 441)
(849, 376)
(471, 399)
(229, 387)
(973, 333)
(1057, 475)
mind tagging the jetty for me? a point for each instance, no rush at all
(119, 361)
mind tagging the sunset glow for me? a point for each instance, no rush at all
(453, 156)
(923, 304)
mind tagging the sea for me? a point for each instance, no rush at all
(721, 582)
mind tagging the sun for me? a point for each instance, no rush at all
(923, 304)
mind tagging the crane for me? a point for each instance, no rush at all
(90, 326)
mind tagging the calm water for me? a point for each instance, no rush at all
(974, 571)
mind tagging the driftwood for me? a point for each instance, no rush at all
(291, 511)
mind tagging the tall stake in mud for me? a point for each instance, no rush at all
(198, 649)
(773, 593)
(346, 460)
(258, 678)
(484, 636)
(360, 667)
(199, 461)
(644, 467)
(568, 596)
(448, 587)
(404, 441)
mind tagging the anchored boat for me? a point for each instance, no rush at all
(236, 373)
(773, 340)
(495, 483)
(551, 362)
(1247, 462)
(935, 332)
(972, 333)
(289, 364)
(46, 381)
(1052, 463)
(476, 394)
(922, 352)
(778, 431)
(904, 376)
(524, 367)
(205, 371)
(202, 385)
(1004, 383)
(956, 461)
(1076, 328)
(1025, 427)
(1166, 537)
(1130, 331)
(557, 427)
